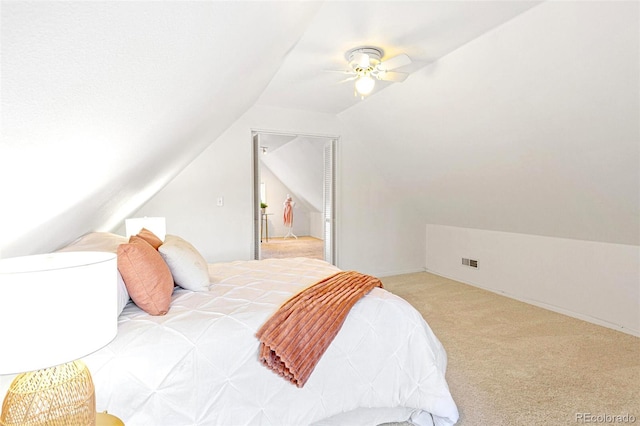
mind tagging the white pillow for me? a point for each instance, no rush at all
(188, 267)
(103, 241)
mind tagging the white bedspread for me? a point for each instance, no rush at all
(198, 365)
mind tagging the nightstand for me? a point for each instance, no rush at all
(104, 419)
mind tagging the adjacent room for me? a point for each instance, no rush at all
(286, 213)
(294, 201)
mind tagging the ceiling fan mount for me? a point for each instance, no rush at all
(364, 58)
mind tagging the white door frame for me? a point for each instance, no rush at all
(329, 206)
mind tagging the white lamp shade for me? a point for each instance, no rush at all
(56, 308)
(157, 225)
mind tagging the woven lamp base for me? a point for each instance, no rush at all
(58, 396)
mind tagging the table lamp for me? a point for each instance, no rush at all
(157, 225)
(54, 309)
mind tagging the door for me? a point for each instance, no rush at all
(328, 212)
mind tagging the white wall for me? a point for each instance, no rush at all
(225, 170)
(299, 164)
(530, 130)
(597, 282)
(381, 226)
(375, 234)
(316, 225)
(276, 194)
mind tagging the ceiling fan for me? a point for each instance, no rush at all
(367, 66)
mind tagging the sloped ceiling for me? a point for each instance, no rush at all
(532, 128)
(424, 30)
(103, 103)
(297, 161)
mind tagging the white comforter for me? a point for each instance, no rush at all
(198, 365)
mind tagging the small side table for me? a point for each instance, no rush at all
(104, 419)
(265, 226)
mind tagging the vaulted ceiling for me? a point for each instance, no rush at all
(424, 30)
(104, 103)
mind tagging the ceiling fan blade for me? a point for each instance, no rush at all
(348, 79)
(394, 76)
(395, 62)
(348, 72)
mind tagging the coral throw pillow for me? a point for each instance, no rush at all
(146, 275)
(150, 237)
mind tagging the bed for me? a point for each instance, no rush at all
(198, 363)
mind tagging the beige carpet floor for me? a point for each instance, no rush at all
(511, 363)
(279, 247)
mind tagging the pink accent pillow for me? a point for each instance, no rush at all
(146, 275)
(149, 237)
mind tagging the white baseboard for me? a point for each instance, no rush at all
(557, 309)
(592, 281)
(399, 272)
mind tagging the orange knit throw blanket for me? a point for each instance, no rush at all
(294, 339)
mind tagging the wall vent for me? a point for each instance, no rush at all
(470, 262)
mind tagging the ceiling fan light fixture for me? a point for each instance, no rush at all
(365, 84)
(363, 61)
(366, 66)
(364, 57)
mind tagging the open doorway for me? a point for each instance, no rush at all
(294, 195)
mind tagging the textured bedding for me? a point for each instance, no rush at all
(294, 338)
(198, 364)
